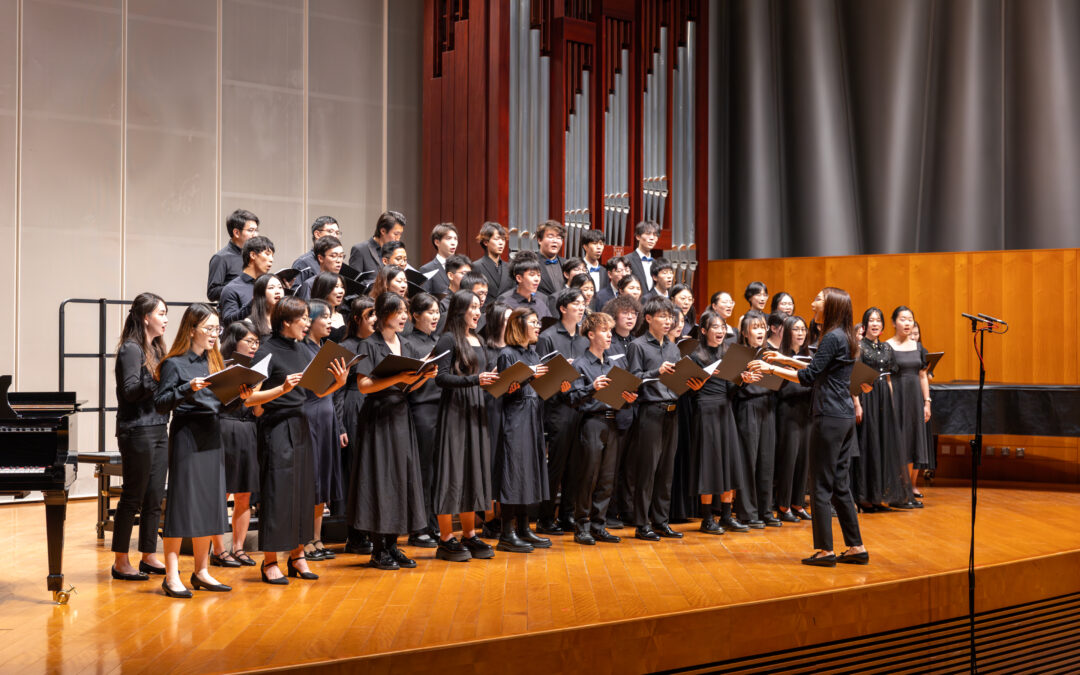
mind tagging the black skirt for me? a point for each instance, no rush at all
(385, 493)
(325, 449)
(714, 446)
(287, 482)
(684, 498)
(195, 502)
(879, 474)
(241, 440)
(520, 469)
(463, 453)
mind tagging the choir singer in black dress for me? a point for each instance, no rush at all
(832, 435)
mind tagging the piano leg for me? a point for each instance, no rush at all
(55, 514)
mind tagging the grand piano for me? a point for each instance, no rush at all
(37, 454)
(1013, 409)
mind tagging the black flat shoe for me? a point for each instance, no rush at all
(478, 548)
(219, 561)
(584, 537)
(756, 524)
(294, 572)
(710, 526)
(510, 542)
(854, 558)
(492, 529)
(327, 554)
(280, 581)
(531, 538)
(788, 517)
(550, 527)
(665, 531)
(802, 514)
(599, 533)
(820, 560)
(150, 569)
(362, 547)
(243, 558)
(197, 583)
(384, 561)
(646, 534)
(402, 560)
(314, 555)
(422, 540)
(452, 550)
(138, 576)
(772, 521)
(731, 524)
(185, 594)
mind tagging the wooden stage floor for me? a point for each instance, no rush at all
(630, 607)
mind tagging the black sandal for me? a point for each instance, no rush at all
(243, 558)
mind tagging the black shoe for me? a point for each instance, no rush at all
(915, 503)
(614, 523)
(645, 533)
(478, 548)
(549, 527)
(601, 534)
(294, 572)
(756, 524)
(174, 594)
(820, 561)
(906, 506)
(452, 550)
(492, 529)
(568, 524)
(327, 554)
(772, 521)
(150, 569)
(801, 514)
(665, 531)
(854, 558)
(529, 537)
(399, 557)
(583, 536)
(788, 517)
(732, 524)
(138, 576)
(314, 554)
(280, 581)
(243, 558)
(197, 583)
(710, 526)
(383, 560)
(422, 540)
(510, 542)
(363, 546)
(218, 561)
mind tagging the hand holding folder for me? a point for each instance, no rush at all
(226, 383)
(621, 382)
(559, 371)
(318, 376)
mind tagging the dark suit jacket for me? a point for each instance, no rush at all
(438, 284)
(551, 278)
(308, 265)
(498, 278)
(603, 297)
(634, 257)
(365, 256)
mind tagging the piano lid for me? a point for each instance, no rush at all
(13, 404)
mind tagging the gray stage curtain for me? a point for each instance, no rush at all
(893, 126)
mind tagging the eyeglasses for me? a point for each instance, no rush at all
(253, 341)
(532, 324)
(211, 330)
(335, 256)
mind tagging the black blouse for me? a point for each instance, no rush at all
(511, 355)
(174, 390)
(135, 388)
(289, 356)
(448, 378)
(715, 387)
(830, 376)
(879, 355)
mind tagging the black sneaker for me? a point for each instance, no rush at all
(452, 550)
(478, 548)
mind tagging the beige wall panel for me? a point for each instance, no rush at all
(195, 12)
(345, 58)
(403, 129)
(9, 43)
(172, 81)
(8, 176)
(264, 44)
(356, 223)
(366, 11)
(344, 149)
(262, 142)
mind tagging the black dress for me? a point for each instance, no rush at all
(386, 495)
(463, 449)
(240, 436)
(792, 443)
(325, 442)
(195, 502)
(519, 474)
(494, 408)
(348, 401)
(286, 467)
(424, 408)
(684, 502)
(755, 418)
(908, 398)
(879, 474)
(714, 439)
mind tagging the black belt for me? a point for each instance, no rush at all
(603, 414)
(662, 406)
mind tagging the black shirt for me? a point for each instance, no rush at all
(538, 302)
(715, 387)
(644, 358)
(308, 265)
(225, 265)
(581, 395)
(448, 377)
(174, 389)
(418, 345)
(135, 388)
(557, 338)
(235, 302)
(290, 357)
(830, 375)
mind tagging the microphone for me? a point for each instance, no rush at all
(973, 318)
(992, 319)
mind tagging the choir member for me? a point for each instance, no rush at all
(327, 435)
(683, 298)
(817, 309)
(931, 442)
(444, 237)
(585, 284)
(629, 285)
(360, 326)
(911, 392)
(714, 440)
(625, 310)
(878, 475)
(595, 460)
(775, 335)
(655, 438)
(476, 283)
(792, 428)
(424, 406)
(494, 333)
(561, 421)
(757, 295)
(663, 278)
(549, 240)
(457, 266)
(141, 436)
(330, 288)
(492, 239)
(390, 279)
(286, 464)
(463, 447)
(330, 255)
(526, 275)
(196, 494)
(615, 269)
(647, 233)
(394, 253)
(308, 263)
(832, 435)
(226, 264)
(367, 256)
(258, 257)
(723, 304)
(592, 247)
(265, 295)
(519, 474)
(240, 438)
(782, 302)
(756, 421)
(386, 496)
(572, 267)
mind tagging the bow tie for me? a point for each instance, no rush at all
(553, 261)
(646, 258)
(595, 270)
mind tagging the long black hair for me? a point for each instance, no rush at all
(785, 340)
(134, 330)
(260, 311)
(495, 324)
(837, 314)
(234, 333)
(457, 326)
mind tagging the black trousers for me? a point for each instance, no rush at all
(562, 425)
(832, 445)
(594, 468)
(145, 455)
(757, 442)
(652, 457)
(792, 446)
